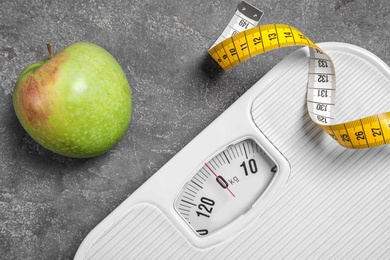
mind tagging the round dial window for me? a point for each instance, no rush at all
(225, 187)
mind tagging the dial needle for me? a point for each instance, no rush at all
(221, 181)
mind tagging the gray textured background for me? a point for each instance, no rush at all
(49, 203)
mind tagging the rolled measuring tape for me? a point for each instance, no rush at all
(242, 39)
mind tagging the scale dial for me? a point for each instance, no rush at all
(226, 187)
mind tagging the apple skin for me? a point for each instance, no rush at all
(76, 103)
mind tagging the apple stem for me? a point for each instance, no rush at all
(49, 50)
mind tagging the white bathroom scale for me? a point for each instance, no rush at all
(263, 181)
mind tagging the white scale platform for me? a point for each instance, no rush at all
(325, 201)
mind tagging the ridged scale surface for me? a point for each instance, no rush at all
(335, 205)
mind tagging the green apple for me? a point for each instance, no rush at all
(77, 103)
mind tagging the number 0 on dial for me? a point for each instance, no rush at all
(225, 187)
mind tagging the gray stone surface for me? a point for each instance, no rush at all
(49, 203)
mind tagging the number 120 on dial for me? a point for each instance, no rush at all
(225, 187)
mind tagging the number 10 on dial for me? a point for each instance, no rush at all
(225, 187)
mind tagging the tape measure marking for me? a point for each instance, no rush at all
(321, 89)
(245, 17)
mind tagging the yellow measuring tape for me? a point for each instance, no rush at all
(361, 133)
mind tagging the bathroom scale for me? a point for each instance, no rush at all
(279, 174)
